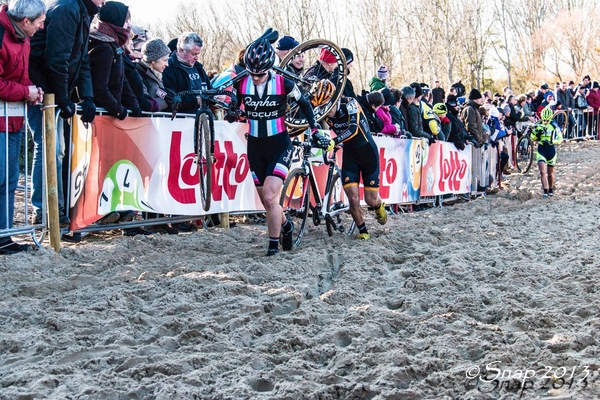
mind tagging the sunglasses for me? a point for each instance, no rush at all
(258, 75)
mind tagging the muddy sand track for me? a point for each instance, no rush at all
(510, 281)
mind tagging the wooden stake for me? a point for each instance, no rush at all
(51, 179)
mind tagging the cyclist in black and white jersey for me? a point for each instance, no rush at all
(264, 96)
(360, 157)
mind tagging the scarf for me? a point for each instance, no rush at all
(18, 31)
(118, 34)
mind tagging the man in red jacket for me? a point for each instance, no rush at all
(19, 21)
(593, 99)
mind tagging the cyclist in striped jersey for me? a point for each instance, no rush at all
(264, 95)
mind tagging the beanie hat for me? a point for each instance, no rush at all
(114, 13)
(544, 86)
(461, 100)
(595, 85)
(348, 54)
(154, 50)
(548, 94)
(440, 109)
(327, 56)
(418, 90)
(475, 94)
(286, 43)
(382, 72)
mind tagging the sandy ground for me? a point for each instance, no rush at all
(479, 300)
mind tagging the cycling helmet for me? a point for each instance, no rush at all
(321, 92)
(440, 109)
(547, 114)
(259, 56)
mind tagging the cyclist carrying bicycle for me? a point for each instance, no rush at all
(264, 96)
(360, 157)
(547, 135)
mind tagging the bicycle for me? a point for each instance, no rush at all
(204, 135)
(297, 202)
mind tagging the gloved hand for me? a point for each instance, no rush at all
(494, 143)
(231, 118)
(137, 113)
(431, 140)
(67, 110)
(322, 141)
(88, 110)
(408, 135)
(121, 115)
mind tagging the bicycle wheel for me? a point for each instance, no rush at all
(336, 201)
(204, 159)
(524, 154)
(295, 201)
(311, 50)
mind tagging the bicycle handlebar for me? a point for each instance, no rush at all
(308, 146)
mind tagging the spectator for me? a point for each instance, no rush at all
(581, 106)
(431, 123)
(438, 93)
(58, 63)
(108, 35)
(376, 101)
(458, 133)
(349, 88)
(593, 99)
(132, 74)
(472, 118)
(541, 96)
(441, 111)
(185, 72)
(296, 64)
(415, 115)
(375, 124)
(379, 82)
(19, 21)
(452, 92)
(324, 67)
(586, 83)
(572, 88)
(408, 95)
(397, 115)
(153, 63)
(459, 87)
(523, 108)
(564, 96)
(283, 47)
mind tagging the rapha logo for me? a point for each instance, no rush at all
(249, 102)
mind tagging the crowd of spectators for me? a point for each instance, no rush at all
(87, 53)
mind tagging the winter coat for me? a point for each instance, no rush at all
(398, 118)
(375, 124)
(593, 99)
(383, 113)
(471, 117)
(111, 89)
(376, 84)
(132, 74)
(176, 78)
(59, 59)
(14, 76)
(154, 86)
(565, 98)
(415, 122)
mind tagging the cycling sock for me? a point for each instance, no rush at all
(362, 228)
(545, 191)
(273, 243)
(287, 227)
(551, 190)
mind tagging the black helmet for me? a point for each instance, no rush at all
(259, 56)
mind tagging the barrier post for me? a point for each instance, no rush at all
(51, 181)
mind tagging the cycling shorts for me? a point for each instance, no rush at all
(546, 154)
(269, 156)
(363, 160)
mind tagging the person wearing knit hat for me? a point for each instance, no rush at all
(378, 81)
(155, 50)
(348, 87)
(283, 47)
(324, 67)
(107, 36)
(475, 94)
(418, 90)
(472, 118)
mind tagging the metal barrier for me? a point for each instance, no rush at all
(582, 125)
(19, 223)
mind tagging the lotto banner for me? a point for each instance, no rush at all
(147, 164)
(446, 170)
